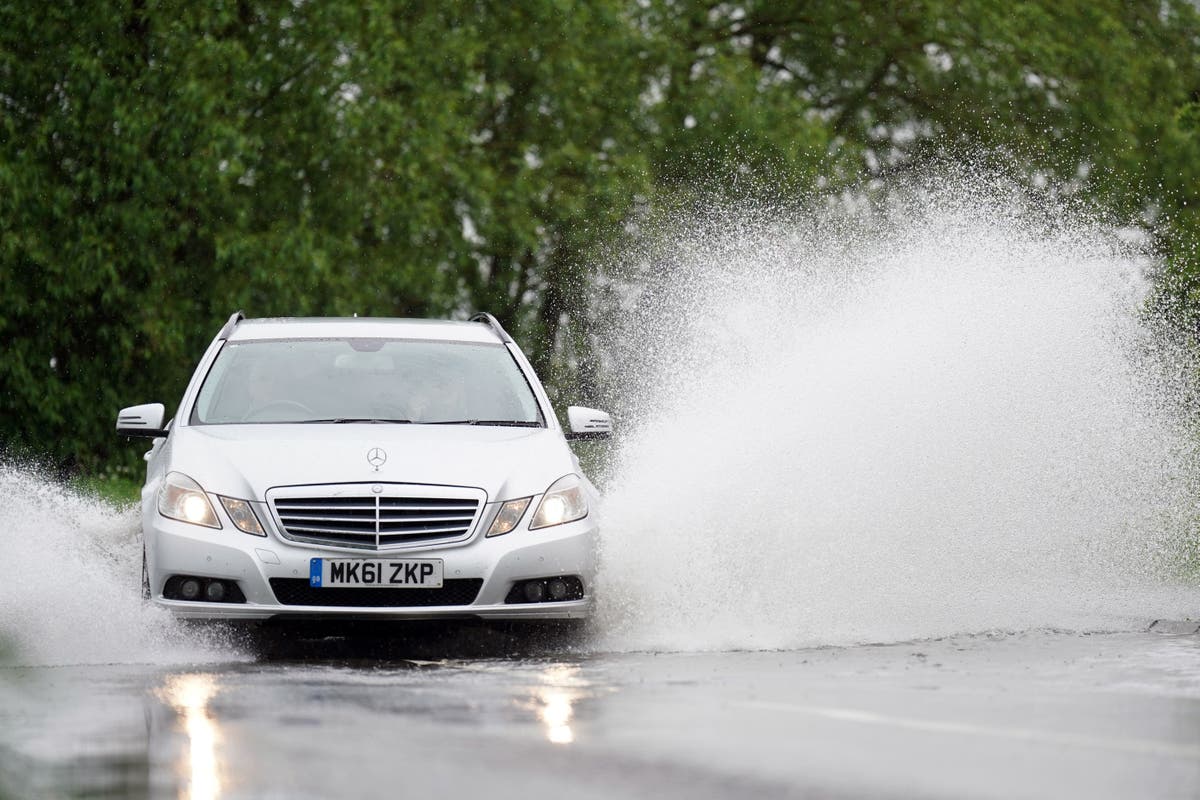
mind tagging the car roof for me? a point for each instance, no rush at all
(362, 327)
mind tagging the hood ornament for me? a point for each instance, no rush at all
(376, 457)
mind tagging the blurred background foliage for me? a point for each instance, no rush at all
(163, 164)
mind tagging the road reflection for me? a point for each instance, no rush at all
(190, 695)
(554, 700)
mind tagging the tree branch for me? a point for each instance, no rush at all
(855, 101)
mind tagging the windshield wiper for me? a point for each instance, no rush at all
(370, 420)
(511, 423)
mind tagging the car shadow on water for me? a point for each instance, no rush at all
(373, 641)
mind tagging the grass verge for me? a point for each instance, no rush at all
(111, 487)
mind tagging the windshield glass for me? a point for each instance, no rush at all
(361, 380)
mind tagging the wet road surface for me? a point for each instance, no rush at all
(1039, 714)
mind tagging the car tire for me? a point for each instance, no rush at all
(145, 576)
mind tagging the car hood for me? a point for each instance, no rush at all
(247, 460)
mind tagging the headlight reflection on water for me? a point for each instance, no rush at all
(556, 715)
(190, 695)
(554, 701)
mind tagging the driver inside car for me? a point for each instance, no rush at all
(438, 396)
(265, 392)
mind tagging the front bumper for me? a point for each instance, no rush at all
(176, 548)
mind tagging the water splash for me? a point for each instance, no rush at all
(856, 424)
(947, 414)
(71, 587)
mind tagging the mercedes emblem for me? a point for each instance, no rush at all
(376, 457)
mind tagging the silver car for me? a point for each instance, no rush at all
(372, 468)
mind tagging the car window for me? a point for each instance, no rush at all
(307, 380)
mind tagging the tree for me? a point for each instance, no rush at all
(1083, 94)
(161, 166)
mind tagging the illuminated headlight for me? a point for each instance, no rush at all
(243, 516)
(508, 517)
(182, 498)
(562, 502)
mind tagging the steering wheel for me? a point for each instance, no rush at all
(257, 414)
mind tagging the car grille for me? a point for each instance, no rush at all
(355, 517)
(298, 592)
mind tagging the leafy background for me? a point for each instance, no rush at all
(163, 164)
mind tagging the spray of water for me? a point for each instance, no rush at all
(71, 586)
(854, 424)
(943, 414)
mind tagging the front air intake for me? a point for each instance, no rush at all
(299, 592)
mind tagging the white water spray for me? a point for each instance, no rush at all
(946, 417)
(70, 592)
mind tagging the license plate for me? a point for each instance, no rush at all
(406, 573)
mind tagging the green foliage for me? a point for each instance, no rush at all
(1056, 85)
(117, 485)
(162, 164)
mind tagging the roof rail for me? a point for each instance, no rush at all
(490, 321)
(234, 319)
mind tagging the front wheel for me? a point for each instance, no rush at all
(145, 576)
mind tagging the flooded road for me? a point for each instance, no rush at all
(1040, 714)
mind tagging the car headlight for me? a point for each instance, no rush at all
(182, 498)
(243, 516)
(509, 515)
(562, 502)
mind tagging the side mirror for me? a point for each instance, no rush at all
(588, 423)
(145, 421)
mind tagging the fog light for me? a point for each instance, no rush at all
(534, 592)
(189, 589)
(558, 589)
(215, 592)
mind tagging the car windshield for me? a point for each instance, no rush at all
(365, 380)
